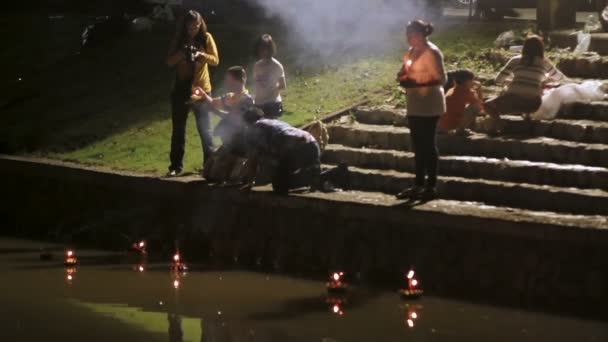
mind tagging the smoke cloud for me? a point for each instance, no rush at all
(334, 27)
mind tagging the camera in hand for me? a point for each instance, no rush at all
(190, 51)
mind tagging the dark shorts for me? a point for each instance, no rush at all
(515, 104)
(272, 110)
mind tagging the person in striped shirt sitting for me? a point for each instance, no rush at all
(527, 74)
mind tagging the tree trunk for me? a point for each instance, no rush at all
(556, 14)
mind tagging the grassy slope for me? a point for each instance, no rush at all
(110, 106)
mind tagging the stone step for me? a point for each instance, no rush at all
(539, 149)
(585, 131)
(516, 195)
(474, 167)
(595, 111)
(581, 130)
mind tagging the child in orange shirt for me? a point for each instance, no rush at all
(464, 102)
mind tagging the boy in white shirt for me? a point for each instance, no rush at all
(269, 78)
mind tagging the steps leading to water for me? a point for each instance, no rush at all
(558, 166)
(562, 175)
(538, 149)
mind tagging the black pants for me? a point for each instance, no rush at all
(180, 108)
(423, 132)
(300, 168)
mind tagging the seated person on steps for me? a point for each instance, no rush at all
(464, 102)
(529, 72)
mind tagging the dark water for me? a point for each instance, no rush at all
(106, 299)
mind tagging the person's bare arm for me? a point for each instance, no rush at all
(506, 72)
(282, 83)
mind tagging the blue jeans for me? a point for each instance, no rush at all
(180, 108)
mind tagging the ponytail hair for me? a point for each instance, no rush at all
(421, 26)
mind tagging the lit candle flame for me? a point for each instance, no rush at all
(140, 268)
(70, 253)
(410, 274)
(414, 315)
(176, 284)
(176, 257)
(410, 323)
(142, 244)
(414, 282)
(336, 308)
(336, 276)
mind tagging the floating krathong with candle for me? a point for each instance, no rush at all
(139, 247)
(178, 264)
(70, 258)
(412, 290)
(337, 283)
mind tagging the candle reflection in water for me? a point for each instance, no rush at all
(336, 304)
(69, 274)
(412, 315)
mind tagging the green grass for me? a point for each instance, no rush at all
(110, 107)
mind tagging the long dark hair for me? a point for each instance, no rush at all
(533, 48)
(420, 26)
(265, 41)
(200, 40)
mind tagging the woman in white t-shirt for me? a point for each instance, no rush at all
(269, 78)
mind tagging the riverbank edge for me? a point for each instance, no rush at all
(498, 258)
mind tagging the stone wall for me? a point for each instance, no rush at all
(492, 260)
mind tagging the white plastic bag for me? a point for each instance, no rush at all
(592, 24)
(584, 42)
(505, 39)
(567, 94)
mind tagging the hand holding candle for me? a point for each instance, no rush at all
(198, 94)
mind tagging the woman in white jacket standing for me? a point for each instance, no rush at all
(423, 76)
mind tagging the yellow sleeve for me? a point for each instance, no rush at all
(212, 57)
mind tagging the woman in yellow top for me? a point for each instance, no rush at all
(192, 51)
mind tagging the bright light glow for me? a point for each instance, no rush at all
(336, 276)
(409, 63)
(414, 315)
(140, 268)
(410, 274)
(176, 257)
(414, 282)
(70, 277)
(176, 284)
(70, 253)
(142, 244)
(410, 323)
(336, 308)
